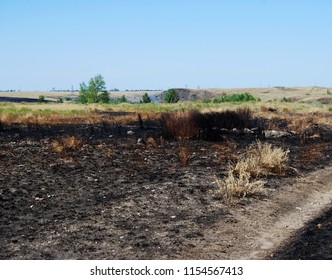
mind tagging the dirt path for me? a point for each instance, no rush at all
(261, 228)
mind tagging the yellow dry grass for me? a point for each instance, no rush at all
(242, 178)
(66, 144)
(261, 160)
(237, 186)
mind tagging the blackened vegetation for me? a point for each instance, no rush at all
(87, 132)
(311, 243)
(205, 126)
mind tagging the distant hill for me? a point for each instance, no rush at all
(305, 94)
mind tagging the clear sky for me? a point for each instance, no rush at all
(159, 44)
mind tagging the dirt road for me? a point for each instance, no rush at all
(294, 223)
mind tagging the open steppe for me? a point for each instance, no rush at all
(109, 183)
(304, 94)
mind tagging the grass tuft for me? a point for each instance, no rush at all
(242, 178)
(66, 144)
(239, 186)
(262, 160)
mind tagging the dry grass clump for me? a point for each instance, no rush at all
(106, 150)
(66, 144)
(263, 159)
(154, 143)
(242, 178)
(237, 186)
(151, 142)
(184, 156)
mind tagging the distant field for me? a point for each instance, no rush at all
(36, 94)
(133, 96)
(297, 99)
(304, 94)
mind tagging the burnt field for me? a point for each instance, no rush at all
(151, 188)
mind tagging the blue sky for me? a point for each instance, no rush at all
(148, 44)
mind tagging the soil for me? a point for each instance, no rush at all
(122, 192)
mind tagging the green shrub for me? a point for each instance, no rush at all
(145, 99)
(236, 97)
(171, 96)
(329, 92)
(41, 99)
(122, 99)
(59, 100)
(284, 99)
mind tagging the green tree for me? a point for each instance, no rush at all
(95, 92)
(41, 99)
(171, 96)
(122, 99)
(145, 99)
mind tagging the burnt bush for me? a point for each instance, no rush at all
(226, 119)
(206, 126)
(179, 125)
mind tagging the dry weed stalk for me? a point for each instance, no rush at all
(161, 141)
(184, 156)
(109, 152)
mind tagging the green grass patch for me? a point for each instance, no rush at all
(10, 110)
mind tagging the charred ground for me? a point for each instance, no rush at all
(127, 191)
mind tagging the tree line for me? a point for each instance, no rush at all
(95, 92)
